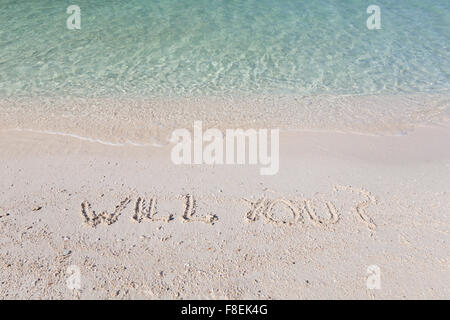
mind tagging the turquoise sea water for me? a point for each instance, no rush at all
(152, 48)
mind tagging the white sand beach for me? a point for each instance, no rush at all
(199, 149)
(137, 226)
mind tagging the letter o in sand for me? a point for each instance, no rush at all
(296, 217)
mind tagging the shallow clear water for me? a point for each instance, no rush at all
(220, 47)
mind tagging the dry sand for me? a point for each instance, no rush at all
(339, 204)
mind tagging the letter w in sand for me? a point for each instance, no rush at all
(92, 219)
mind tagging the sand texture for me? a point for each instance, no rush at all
(137, 226)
